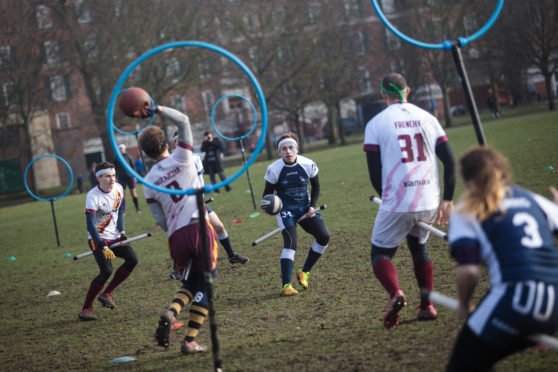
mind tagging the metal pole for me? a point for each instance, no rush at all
(208, 280)
(242, 150)
(458, 59)
(54, 219)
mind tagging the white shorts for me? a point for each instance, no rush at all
(390, 228)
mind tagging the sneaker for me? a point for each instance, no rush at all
(87, 314)
(175, 274)
(228, 188)
(138, 211)
(163, 330)
(303, 279)
(176, 325)
(192, 347)
(238, 259)
(288, 290)
(106, 300)
(395, 304)
(429, 313)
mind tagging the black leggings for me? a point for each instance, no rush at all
(126, 252)
(316, 228)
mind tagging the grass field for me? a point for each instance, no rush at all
(334, 325)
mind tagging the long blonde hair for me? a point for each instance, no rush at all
(486, 175)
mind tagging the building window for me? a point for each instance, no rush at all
(91, 47)
(5, 55)
(83, 15)
(362, 46)
(7, 95)
(388, 6)
(251, 21)
(59, 87)
(364, 84)
(63, 120)
(178, 103)
(208, 102)
(253, 55)
(470, 24)
(52, 52)
(172, 69)
(314, 13)
(205, 68)
(44, 20)
(393, 42)
(353, 8)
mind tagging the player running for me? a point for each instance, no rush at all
(178, 215)
(289, 177)
(105, 225)
(510, 230)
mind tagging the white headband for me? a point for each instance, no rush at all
(285, 140)
(104, 171)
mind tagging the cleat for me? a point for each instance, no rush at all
(106, 300)
(86, 314)
(427, 314)
(303, 278)
(163, 330)
(176, 325)
(175, 274)
(192, 347)
(288, 290)
(238, 259)
(395, 304)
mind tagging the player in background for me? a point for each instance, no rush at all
(222, 233)
(510, 229)
(126, 179)
(104, 219)
(178, 215)
(289, 177)
(401, 145)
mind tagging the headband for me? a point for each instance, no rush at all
(395, 90)
(104, 171)
(285, 140)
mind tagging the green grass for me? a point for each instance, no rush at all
(336, 324)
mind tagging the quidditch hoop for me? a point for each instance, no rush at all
(51, 156)
(180, 44)
(239, 137)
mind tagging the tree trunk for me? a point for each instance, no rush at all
(447, 112)
(299, 133)
(549, 92)
(332, 127)
(341, 125)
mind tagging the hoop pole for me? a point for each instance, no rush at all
(55, 225)
(458, 59)
(208, 280)
(242, 150)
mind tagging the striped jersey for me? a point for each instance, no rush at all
(105, 205)
(516, 244)
(406, 137)
(291, 182)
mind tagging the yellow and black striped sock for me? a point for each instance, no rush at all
(181, 299)
(198, 313)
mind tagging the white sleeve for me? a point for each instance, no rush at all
(550, 209)
(183, 152)
(270, 176)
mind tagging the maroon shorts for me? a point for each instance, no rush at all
(185, 245)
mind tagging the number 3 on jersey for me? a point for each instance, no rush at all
(406, 143)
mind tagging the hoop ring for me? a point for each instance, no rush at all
(179, 44)
(446, 45)
(240, 137)
(51, 156)
(137, 131)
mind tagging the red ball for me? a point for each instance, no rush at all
(132, 100)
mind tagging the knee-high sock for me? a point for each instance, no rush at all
(198, 313)
(424, 272)
(226, 243)
(181, 298)
(135, 200)
(94, 289)
(287, 263)
(121, 274)
(314, 255)
(386, 274)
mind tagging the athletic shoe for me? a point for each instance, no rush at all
(288, 290)
(163, 330)
(192, 347)
(427, 314)
(106, 300)
(87, 314)
(303, 279)
(176, 325)
(175, 274)
(238, 259)
(395, 304)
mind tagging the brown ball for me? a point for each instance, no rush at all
(132, 100)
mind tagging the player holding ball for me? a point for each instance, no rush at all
(289, 178)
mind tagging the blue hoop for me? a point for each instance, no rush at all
(137, 131)
(52, 156)
(243, 136)
(446, 45)
(179, 44)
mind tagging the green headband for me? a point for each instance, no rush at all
(395, 90)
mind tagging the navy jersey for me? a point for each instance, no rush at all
(516, 244)
(291, 182)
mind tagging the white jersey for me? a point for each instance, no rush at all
(105, 205)
(174, 172)
(406, 137)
